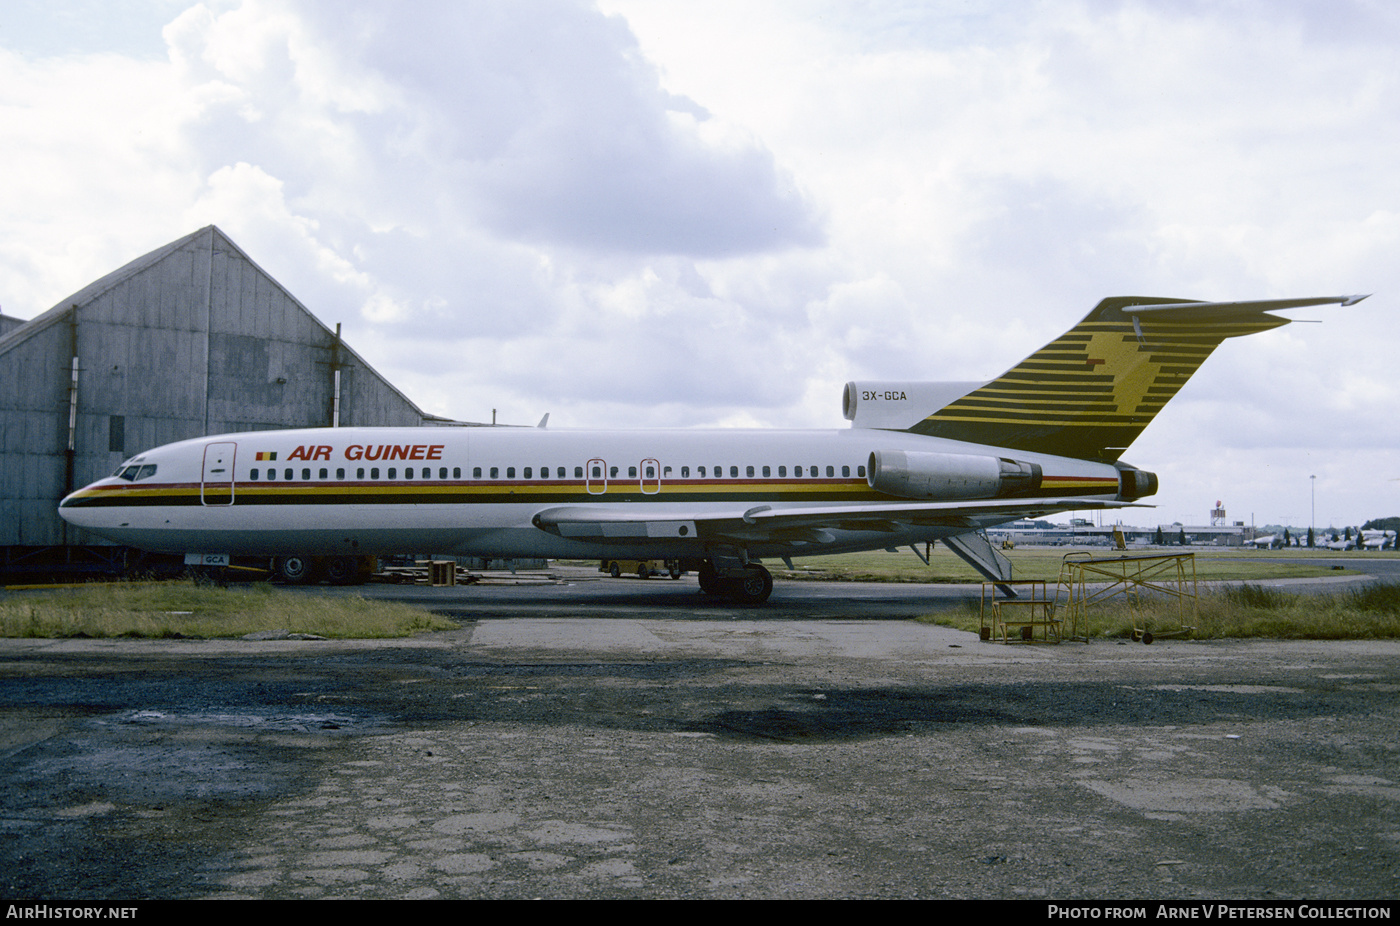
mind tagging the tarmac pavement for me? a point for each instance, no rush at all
(663, 751)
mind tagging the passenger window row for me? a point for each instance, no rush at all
(289, 474)
(750, 472)
(649, 472)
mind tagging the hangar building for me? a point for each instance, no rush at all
(192, 339)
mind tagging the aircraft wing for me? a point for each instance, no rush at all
(760, 523)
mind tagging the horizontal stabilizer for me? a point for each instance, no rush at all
(1221, 310)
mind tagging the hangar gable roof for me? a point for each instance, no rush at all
(94, 290)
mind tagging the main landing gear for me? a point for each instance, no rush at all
(338, 570)
(748, 585)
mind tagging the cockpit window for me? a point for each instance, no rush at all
(132, 473)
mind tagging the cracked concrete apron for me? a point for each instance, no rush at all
(660, 758)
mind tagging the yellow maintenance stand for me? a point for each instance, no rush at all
(1030, 614)
(1086, 580)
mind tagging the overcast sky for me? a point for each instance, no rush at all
(645, 214)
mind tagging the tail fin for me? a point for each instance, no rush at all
(1090, 392)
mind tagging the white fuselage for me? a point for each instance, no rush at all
(477, 491)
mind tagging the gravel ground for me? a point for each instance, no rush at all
(659, 758)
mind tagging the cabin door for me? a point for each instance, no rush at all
(595, 479)
(216, 482)
(651, 477)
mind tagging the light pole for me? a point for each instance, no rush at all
(1312, 518)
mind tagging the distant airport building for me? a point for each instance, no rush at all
(1082, 532)
(194, 338)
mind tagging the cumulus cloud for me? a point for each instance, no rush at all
(683, 214)
(507, 177)
(540, 122)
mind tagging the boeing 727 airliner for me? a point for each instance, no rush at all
(921, 462)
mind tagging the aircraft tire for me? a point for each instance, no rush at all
(343, 570)
(298, 570)
(753, 587)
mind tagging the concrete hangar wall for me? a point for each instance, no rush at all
(194, 338)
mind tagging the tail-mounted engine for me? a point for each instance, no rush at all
(923, 475)
(1134, 483)
(897, 406)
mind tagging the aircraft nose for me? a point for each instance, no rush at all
(68, 507)
(75, 503)
(71, 500)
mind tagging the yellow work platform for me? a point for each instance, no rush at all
(1087, 580)
(1029, 614)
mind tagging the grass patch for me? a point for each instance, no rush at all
(1254, 597)
(1370, 612)
(185, 609)
(1213, 564)
(1377, 598)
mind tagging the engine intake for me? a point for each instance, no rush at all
(924, 475)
